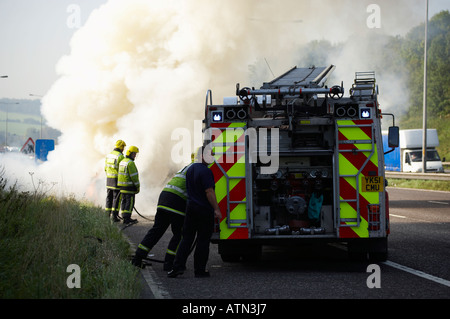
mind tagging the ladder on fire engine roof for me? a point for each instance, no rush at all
(313, 77)
(364, 85)
(352, 221)
(231, 148)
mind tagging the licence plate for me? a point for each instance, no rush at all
(372, 183)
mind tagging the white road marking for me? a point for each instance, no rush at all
(155, 286)
(416, 219)
(398, 216)
(409, 270)
(418, 273)
(436, 202)
(150, 277)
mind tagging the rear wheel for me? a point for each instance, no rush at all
(230, 258)
(378, 256)
(233, 251)
(375, 249)
(253, 253)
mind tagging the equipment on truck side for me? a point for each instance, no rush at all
(296, 161)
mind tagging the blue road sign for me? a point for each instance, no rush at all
(43, 147)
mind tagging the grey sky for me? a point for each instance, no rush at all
(35, 34)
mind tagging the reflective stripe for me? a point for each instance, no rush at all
(143, 248)
(123, 164)
(172, 210)
(128, 211)
(128, 191)
(350, 166)
(113, 156)
(128, 174)
(171, 252)
(112, 162)
(229, 175)
(177, 185)
(176, 188)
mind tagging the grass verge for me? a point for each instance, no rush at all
(420, 184)
(41, 236)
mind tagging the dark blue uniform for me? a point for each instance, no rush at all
(199, 220)
(198, 179)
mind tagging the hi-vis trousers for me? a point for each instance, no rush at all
(127, 205)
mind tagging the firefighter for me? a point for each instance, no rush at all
(170, 211)
(112, 162)
(128, 181)
(201, 209)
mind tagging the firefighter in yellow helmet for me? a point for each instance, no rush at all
(112, 162)
(128, 182)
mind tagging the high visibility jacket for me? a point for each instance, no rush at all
(177, 184)
(175, 201)
(128, 180)
(112, 162)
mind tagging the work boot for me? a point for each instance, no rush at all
(202, 274)
(168, 262)
(167, 266)
(128, 220)
(115, 217)
(173, 273)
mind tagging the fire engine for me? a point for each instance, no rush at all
(296, 161)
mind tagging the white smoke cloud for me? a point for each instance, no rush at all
(139, 69)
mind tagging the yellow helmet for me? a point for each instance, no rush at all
(120, 144)
(194, 154)
(132, 149)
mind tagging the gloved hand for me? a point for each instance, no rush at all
(137, 261)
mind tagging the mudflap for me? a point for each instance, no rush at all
(372, 249)
(234, 250)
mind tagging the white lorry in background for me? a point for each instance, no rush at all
(408, 157)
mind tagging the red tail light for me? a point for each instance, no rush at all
(374, 217)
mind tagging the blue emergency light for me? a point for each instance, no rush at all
(365, 113)
(217, 116)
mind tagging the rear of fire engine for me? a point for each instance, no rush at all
(297, 162)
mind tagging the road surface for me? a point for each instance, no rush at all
(418, 266)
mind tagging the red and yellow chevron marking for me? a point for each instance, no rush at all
(233, 164)
(349, 164)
